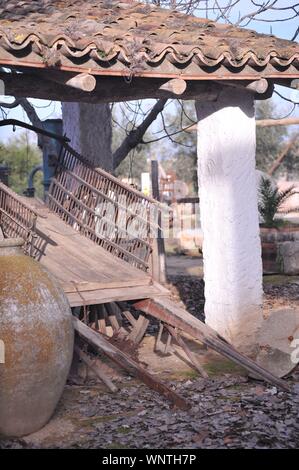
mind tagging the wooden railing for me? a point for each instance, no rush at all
(16, 218)
(115, 216)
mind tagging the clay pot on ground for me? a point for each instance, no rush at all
(37, 336)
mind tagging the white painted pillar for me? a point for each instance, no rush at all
(90, 130)
(229, 217)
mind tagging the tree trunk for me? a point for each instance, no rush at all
(229, 217)
(90, 130)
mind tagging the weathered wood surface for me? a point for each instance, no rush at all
(107, 90)
(172, 314)
(174, 333)
(95, 366)
(88, 273)
(100, 343)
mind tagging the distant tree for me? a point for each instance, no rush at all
(21, 156)
(136, 161)
(134, 164)
(291, 163)
(269, 139)
(180, 154)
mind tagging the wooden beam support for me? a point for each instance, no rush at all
(83, 81)
(94, 365)
(169, 312)
(139, 330)
(63, 86)
(176, 86)
(174, 332)
(107, 90)
(97, 341)
(295, 83)
(259, 87)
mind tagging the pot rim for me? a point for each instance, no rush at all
(11, 242)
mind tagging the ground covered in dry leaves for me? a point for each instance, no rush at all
(228, 410)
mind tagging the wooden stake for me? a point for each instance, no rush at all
(181, 342)
(139, 329)
(94, 365)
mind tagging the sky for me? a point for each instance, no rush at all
(286, 30)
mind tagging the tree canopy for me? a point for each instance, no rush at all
(21, 157)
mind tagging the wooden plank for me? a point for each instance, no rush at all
(97, 341)
(169, 312)
(139, 329)
(129, 317)
(70, 288)
(189, 354)
(102, 315)
(69, 239)
(103, 296)
(114, 322)
(95, 366)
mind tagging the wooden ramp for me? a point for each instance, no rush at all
(87, 272)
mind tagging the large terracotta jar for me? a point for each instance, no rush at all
(37, 334)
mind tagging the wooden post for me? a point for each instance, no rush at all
(159, 264)
(229, 217)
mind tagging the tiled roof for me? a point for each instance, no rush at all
(110, 36)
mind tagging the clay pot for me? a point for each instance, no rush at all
(37, 333)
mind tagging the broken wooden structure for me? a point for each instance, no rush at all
(98, 52)
(95, 234)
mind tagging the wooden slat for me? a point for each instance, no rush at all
(171, 313)
(99, 342)
(103, 296)
(93, 286)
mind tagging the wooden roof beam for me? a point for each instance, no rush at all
(176, 86)
(112, 89)
(82, 81)
(261, 88)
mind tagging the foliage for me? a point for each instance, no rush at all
(21, 157)
(271, 202)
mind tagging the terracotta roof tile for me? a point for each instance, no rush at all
(102, 33)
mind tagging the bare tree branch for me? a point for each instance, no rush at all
(136, 135)
(276, 164)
